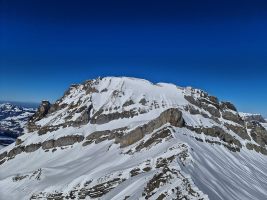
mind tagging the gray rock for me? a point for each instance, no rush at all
(3, 155)
(46, 145)
(239, 130)
(68, 140)
(172, 116)
(57, 106)
(257, 148)
(193, 101)
(62, 141)
(210, 100)
(99, 118)
(49, 144)
(192, 110)
(99, 136)
(32, 147)
(128, 103)
(227, 105)
(143, 101)
(42, 111)
(258, 133)
(155, 138)
(85, 116)
(18, 141)
(232, 117)
(212, 110)
(213, 99)
(210, 104)
(43, 130)
(15, 151)
(216, 131)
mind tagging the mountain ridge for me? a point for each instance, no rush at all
(122, 131)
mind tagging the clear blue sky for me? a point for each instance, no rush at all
(218, 46)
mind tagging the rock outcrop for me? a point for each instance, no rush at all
(100, 118)
(46, 145)
(241, 131)
(42, 111)
(226, 139)
(258, 133)
(171, 116)
(231, 116)
(227, 105)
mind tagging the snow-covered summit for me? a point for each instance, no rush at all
(117, 95)
(127, 138)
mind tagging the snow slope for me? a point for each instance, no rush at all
(126, 138)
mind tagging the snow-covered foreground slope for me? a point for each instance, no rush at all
(125, 138)
(227, 175)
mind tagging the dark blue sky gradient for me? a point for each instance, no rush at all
(218, 46)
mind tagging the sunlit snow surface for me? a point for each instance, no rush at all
(223, 174)
(214, 172)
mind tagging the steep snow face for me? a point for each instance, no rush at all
(223, 174)
(126, 138)
(12, 122)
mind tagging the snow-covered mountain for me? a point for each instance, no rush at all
(252, 117)
(13, 119)
(126, 138)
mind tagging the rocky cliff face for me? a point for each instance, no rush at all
(126, 138)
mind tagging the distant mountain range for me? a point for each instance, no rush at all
(13, 118)
(22, 104)
(120, 138)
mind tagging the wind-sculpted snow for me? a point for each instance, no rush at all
(225, 174)
(126, 138)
